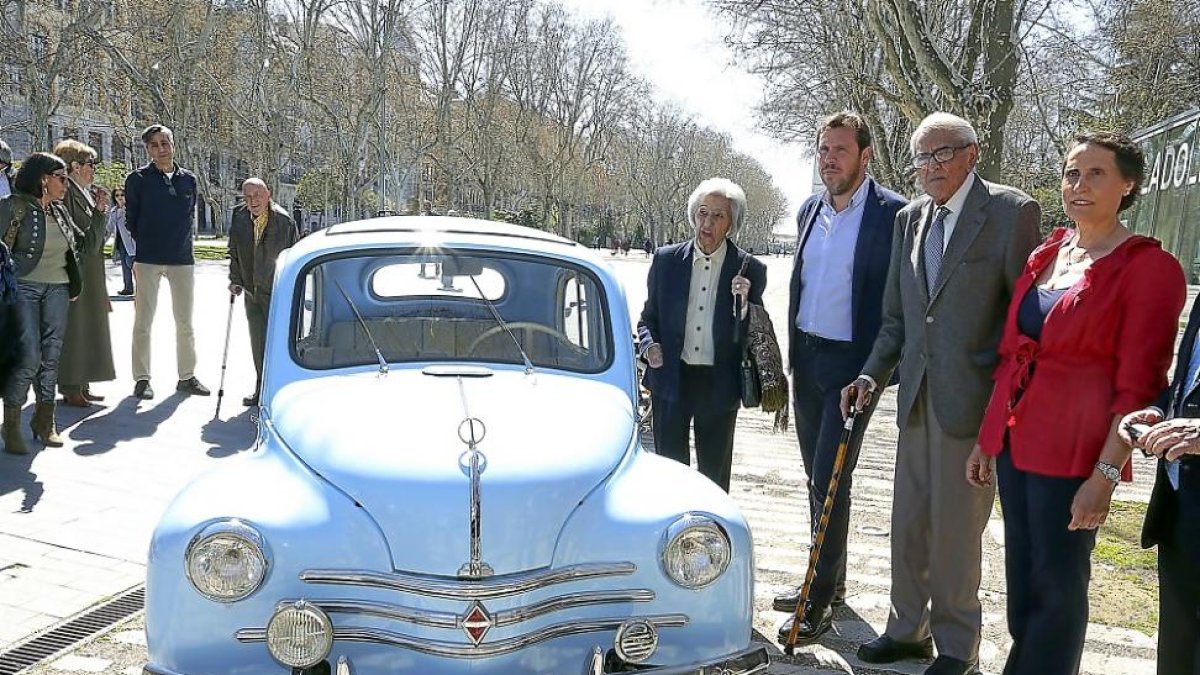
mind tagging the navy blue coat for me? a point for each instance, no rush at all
(161, 222)
(1168, 508)
(665, 314)
(872, 257)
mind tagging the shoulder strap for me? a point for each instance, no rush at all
(19, 211)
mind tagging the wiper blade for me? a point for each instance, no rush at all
(500, 321)
(383, 364)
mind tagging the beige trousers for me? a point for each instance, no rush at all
(181, 279)
(937, 524)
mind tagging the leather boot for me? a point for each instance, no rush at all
(13, 443)
(43, 426)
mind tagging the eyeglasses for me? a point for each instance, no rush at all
(91, 162)
(170, 186)
(941, 155)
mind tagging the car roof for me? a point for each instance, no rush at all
(444, 230)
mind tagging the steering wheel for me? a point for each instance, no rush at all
(528, 327)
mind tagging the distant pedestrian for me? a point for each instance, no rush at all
(123, 244)
(87, 345)
(160, 214)
(47, 280)
(648, 246)
(261, 230)
(688, 327)
(5, 170)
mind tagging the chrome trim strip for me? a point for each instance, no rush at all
(466, 651)
(750, 661)
(475, 568)
(455, 589)
(507, 617)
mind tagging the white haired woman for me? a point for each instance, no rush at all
(688, 331)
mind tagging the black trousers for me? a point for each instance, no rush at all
(673, 420)
(821, 370)
(1047, 568)
(1178, 605)
(256, 320)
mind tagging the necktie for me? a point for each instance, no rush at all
(933, 247)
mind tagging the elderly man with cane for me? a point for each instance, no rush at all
(261, 229)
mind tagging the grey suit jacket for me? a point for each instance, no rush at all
(948, 335)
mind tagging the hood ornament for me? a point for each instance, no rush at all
(472, 431)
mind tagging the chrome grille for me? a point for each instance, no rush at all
(469, 589)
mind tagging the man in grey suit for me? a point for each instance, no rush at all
(955, 254)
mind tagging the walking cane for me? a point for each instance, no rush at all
(814, 553)
(225, 356)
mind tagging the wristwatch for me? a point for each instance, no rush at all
(1110, 472)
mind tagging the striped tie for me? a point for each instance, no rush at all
(933, 247)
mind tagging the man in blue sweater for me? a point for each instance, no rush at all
(160, 204)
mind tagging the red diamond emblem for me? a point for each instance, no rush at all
(476, 622)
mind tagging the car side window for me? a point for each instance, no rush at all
(578, 324)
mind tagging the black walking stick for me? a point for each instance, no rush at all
(814, 553)
(225, 356)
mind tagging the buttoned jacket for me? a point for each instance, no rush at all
(29, 237)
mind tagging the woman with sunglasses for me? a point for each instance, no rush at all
(37, 229)
(123, 245)
(87, 347)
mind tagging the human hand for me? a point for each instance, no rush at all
(980, 468)
(654, 355)
(741, 288)
(101, 198)
(1089, 509)
(857, 393)
(1147, 416)
(235, 289)
(1173, 439)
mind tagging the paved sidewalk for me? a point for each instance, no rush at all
(75, 521)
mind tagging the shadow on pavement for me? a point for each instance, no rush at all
(16, 474)
(94, 435)
(229, 436)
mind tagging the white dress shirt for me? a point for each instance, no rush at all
(702, 296)
(955, 204)
(5, 188)
(827, 275)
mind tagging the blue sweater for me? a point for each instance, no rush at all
(161, 223)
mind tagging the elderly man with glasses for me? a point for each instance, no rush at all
(956, 252)
(160, 208)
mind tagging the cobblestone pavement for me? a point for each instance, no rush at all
(75, 521)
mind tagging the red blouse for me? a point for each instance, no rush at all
(1105, 349)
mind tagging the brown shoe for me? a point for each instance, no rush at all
(13, 443)
(87, 393)
(42, 425)
(76, 401)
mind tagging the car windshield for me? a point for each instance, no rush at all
(426, 306)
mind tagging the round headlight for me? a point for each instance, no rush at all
(299, 635)
(226, 561)
(697, 551)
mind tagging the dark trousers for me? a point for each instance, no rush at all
(126, 261)
(42, 323)
(1178, 604)
(256, 319)
(673, 419)
(1047, 568)
(821, 370)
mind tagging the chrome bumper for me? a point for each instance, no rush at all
(746, 662)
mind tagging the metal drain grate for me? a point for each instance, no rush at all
(74, 631)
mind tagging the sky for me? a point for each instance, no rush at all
(676, 46)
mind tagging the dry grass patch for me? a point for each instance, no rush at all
(1124, 590)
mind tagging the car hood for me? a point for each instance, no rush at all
(392, 443)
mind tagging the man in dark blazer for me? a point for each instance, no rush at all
(956, 253)
(1173, 517)
(261, 229)
(844, 246)
(689, 333)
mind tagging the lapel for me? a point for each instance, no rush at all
(1183, 388)
(917, 254)
(723, 320)
(966, 230)
(81, 203)
(680, 285)
(868, 229)
(806, 220)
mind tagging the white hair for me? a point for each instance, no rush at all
(722, 187)
(943, 121)
(255, 181)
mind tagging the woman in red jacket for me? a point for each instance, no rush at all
(1089, 337)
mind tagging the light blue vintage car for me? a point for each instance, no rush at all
(448, 479)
